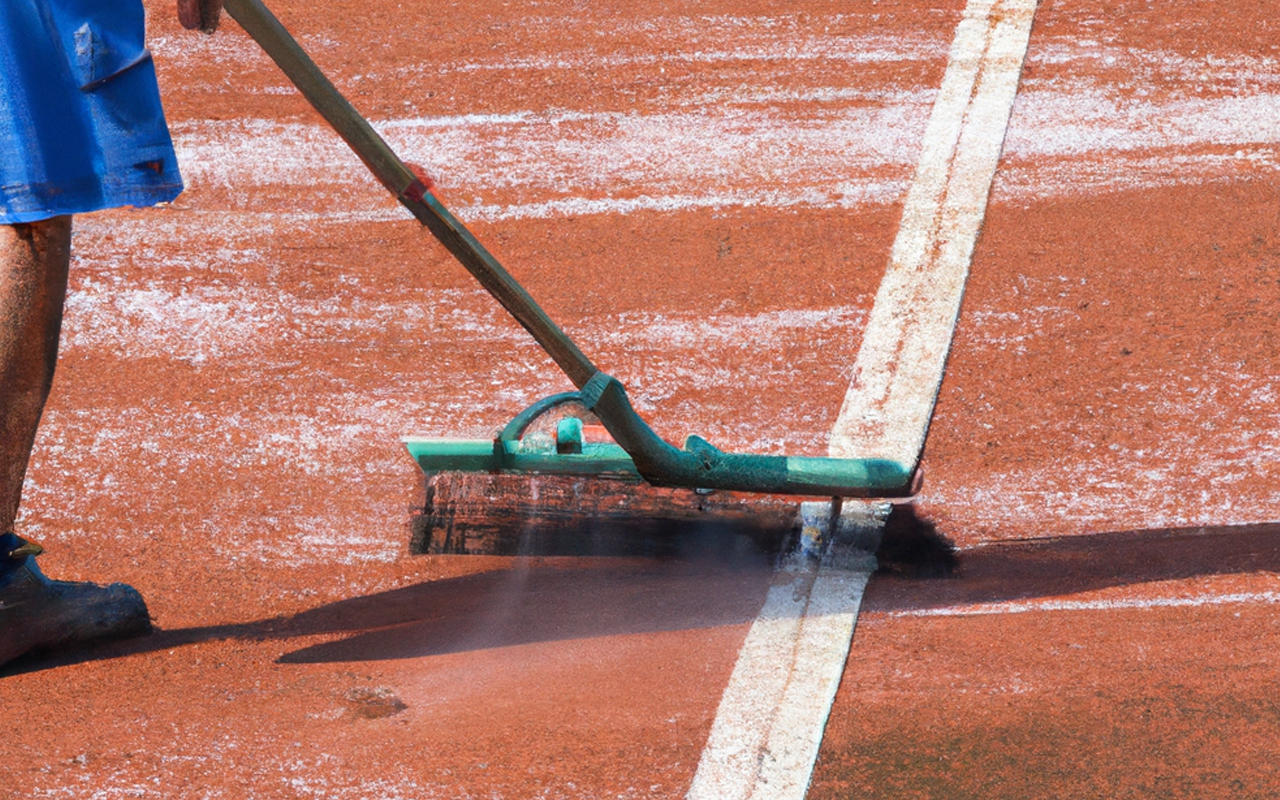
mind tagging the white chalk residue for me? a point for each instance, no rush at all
(524, 165)
(1229, 440)
(205, 323)
(745, 145)
(1108, 118)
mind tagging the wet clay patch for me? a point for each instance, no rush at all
(373, 703)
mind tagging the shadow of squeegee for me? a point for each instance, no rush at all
(1044, 568)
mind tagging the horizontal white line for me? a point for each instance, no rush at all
(853, 50)
(1263, 598)
(868, 193)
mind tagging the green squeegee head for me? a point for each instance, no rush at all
(698, 465)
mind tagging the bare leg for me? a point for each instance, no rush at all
(35, 612)
(34, 260)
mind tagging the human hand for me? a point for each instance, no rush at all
(199, 14)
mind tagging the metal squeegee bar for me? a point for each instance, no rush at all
(699, 465)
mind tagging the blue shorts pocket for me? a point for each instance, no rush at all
(102, 39)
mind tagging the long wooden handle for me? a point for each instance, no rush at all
(377, 155)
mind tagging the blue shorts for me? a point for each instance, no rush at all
(81, 127)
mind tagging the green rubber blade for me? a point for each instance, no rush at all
(486, 455)
(847, 477)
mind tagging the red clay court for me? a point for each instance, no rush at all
(705, 195)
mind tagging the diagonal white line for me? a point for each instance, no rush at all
(827, 631)
(904, 350)
(769, 725)
(768, 729)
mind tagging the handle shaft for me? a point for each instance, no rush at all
(279, 44)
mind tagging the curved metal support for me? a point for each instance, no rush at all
(515, 428)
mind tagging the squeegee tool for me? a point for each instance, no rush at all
(638, 452)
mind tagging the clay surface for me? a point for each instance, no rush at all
(706, 195)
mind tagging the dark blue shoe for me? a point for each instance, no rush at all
(38, 614)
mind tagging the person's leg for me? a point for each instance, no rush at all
(34, 259)
(36, 612)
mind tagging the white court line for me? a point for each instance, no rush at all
(769, 725)
(904, 350)
(768, 729)
(1196, 601)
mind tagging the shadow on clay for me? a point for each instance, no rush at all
(711, 579)
(911, 546)
(532, 603)
(1043, 568)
